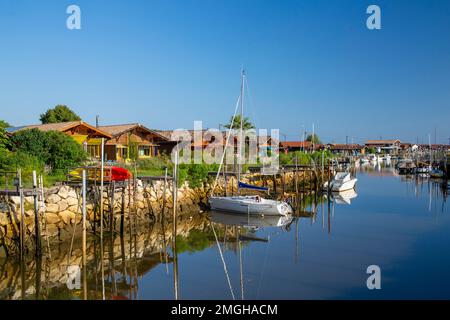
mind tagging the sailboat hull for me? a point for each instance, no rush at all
(250, 205)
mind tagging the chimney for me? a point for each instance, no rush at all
(96, 121)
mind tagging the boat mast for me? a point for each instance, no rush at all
(241, 127)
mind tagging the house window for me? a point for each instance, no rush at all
(93, 151)
(144, 151)
(122, 153)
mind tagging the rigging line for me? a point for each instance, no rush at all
(226, 145)
(223, 261)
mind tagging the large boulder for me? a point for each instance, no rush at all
(53, 198)
(72, 201)
(15, 200)
(52, 218)
(63, 192)
(72, 194)
(63, 205)
(52, 208)
(66, 216)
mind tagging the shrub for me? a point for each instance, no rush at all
(54, 149)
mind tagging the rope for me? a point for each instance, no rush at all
(226, 145)
(223, 261)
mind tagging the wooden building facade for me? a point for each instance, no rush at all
(132, 141)
(83, 133)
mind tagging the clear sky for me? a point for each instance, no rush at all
(167, 63)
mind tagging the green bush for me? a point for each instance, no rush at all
(54, 149)
(304, 158)
(195, 174)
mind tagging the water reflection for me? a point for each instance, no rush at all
(398, 222)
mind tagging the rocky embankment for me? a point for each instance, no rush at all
(60, 209)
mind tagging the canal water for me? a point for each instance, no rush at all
(399, 223)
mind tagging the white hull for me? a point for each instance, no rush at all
(252, 221)
(348, 185)
(252, 205)
(341, 182)
(344, 197)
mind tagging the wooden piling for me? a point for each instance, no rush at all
(122, 211)
(37, 231)
(111, 208)
(22, 215)
(164, 195)
(274, 178)
(84, 193)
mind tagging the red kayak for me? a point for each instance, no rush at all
(110, 173)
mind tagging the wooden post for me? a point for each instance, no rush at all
(296, 174)
(111, 208)
(101, 214)
(225, 181)
(101, 190)
(164, 195)
(122, 211)
(22, 215)
(84, 234)
(37, 230)
(174, 232)
(274, 178)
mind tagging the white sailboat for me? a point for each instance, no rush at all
(250, 205)
(342, 181)
(252, 221)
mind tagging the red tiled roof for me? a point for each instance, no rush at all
(376, 142)
(295, 144)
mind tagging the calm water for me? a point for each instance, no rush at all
(400, 224)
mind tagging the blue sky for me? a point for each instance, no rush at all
(167, 63)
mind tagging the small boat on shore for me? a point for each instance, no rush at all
(406, 166)
(437, 173)
(342, 181)
(93, 173)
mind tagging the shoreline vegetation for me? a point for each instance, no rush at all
(53, 154)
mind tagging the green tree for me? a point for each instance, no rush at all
(4, 140)
(4, 124)
(246, 124)
(55, 149)
(60, 113)
(314, 139)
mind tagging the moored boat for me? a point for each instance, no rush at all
(93, 173)
(253, 205)
(246, 204)
(342, 181)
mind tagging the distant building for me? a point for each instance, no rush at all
(346, 149)
(129, 138)
(83, 133)
(386, 146)
(290, 146)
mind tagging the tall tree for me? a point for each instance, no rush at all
(60, 113)
(246, 124)
(314, 139)
(4, 140)
(4, 124)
